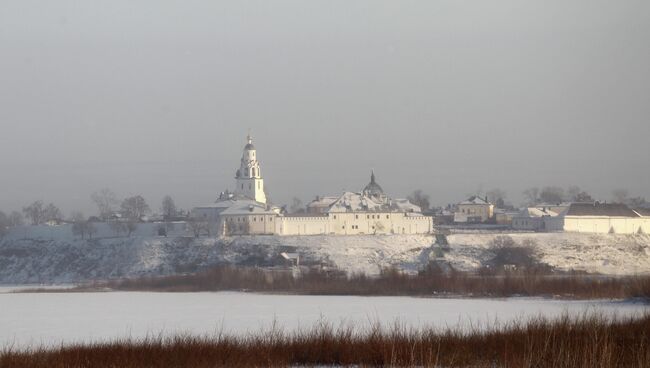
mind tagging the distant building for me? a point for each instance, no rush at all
(600, 218)
(370, 211)
(474, 210)
(246, 211)
(532, 218)
(320, 205)
(504, 216)
(553, 207)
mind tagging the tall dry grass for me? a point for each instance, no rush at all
(586, 342)
(431, 281)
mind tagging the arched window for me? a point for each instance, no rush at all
(253, 172)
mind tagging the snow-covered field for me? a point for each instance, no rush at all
(53, 255)
(53, 318)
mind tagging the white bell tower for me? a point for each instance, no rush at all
(249, 178)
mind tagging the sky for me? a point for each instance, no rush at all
(452, 97)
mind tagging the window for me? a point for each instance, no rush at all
(255, 219)
(356, 217)
(387, 217)
(270, 218)
(253, 170)
(334, 217)
(343, 227)
(368, 217)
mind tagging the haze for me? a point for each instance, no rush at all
(451, 97)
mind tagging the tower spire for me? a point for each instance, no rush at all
(249, 177)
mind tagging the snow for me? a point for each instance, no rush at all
(53, 255)
(53, 318)
(603, 253)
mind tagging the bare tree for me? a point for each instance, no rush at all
(637, 202)
(4, 224)
(572, 192)
(419, 199)
(620, 195)
(497, 196)
(15, 218)
(296, 206)
(90, 229)
(135, 208)
(78, 220)
(52, 213)
(106, 202)
(582, 197)
(131, 226)
(118, 227)
(551, 194)
(35, 212)
(531, 195)
(168, 207)
(197, 226)
(81, 226)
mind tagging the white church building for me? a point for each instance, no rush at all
(246, 211)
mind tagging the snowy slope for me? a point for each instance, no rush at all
(61, 258)
(604, 253)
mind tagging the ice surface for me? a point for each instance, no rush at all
(53, 318)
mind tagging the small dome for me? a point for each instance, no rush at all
(373, 189)
(249, 146)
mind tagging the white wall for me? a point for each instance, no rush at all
(356, 224)
(599, 224)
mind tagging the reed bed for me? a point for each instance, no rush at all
(430, 282)
(590, 340)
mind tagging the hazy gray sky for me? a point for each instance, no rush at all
(156, 97)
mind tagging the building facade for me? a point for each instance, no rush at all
(532, 219)
(474, 210)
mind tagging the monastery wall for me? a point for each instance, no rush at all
(356, 223)
(599, 224)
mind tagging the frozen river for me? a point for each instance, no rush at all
(30, 319)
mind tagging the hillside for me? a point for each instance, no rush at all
(53, 255)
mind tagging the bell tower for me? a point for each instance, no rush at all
(249, 177)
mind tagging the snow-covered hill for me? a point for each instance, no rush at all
(55, 256)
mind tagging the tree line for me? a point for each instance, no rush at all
(121, 215)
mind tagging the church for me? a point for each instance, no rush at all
(245, 210)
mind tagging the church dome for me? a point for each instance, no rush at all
(373, 189)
